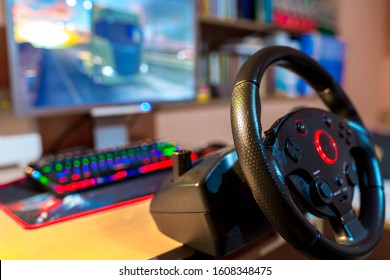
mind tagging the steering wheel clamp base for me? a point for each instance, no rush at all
(307, 155)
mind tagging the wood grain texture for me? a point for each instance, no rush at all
(123, 233)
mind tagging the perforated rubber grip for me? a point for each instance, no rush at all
(257, 163)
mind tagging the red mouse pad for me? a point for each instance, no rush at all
(32, 208)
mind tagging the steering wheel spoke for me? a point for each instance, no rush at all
(348, 228)
(356, 135)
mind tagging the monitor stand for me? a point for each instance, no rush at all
(109, 124)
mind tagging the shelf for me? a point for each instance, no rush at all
(303, 100)
(244, 24)
(217, 30)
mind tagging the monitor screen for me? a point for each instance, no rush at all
(73, 55)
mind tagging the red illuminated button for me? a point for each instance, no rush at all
(301, 127)
(326, 147)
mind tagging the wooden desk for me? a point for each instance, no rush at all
(127, 233)
(123, 233)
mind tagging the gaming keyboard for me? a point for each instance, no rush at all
(72, 172)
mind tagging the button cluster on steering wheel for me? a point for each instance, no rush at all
(315, 159)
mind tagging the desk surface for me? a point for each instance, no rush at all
(128, 232)
(96, 236)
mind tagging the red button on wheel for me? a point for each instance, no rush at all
(326, 146)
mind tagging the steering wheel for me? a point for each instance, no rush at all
(310, 161)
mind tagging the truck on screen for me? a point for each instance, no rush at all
(115, 52)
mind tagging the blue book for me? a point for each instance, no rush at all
(263, 11)
(268, 11)
(329, 51)
(246, 9)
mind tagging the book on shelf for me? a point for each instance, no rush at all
(285, 82)
(329, 51)
(303, 15)
(225, 63)
(219, 64)
(246, 9)
(218, 8)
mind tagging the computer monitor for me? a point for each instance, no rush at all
(107, 57)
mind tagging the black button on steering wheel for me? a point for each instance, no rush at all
(310, 161)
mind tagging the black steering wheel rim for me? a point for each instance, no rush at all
(261, 170)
